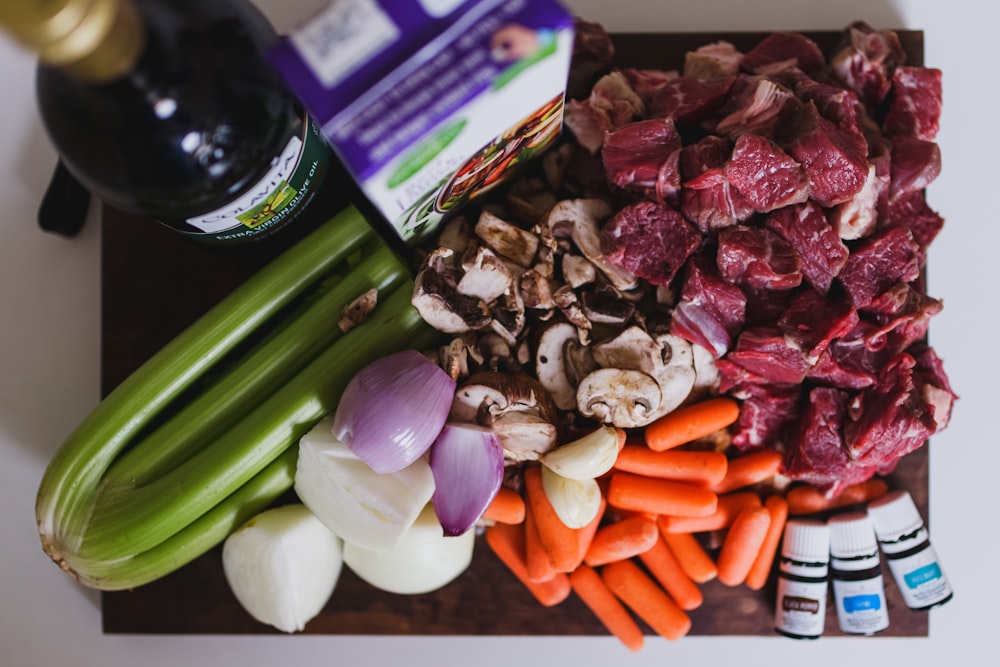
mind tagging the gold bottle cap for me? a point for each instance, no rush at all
(94, 39)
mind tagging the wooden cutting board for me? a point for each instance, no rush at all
(154, 283)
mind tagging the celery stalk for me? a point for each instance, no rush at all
(126, 522)
(65, 494)
(254, 376)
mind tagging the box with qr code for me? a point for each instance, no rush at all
(429, 103)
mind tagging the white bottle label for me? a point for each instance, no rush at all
(861, 605)
(920, 579)
(800, 609)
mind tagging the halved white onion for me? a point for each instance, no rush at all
(282, 566)
(364, 507)
(423, 560)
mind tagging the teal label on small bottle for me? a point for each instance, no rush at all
(922, 575)
(857, 603)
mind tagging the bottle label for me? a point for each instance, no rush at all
(861, 605)
(920, 579)
(277, 198)
(800, 609)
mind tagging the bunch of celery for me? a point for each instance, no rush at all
(200, 438)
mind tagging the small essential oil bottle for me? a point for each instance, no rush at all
(858, 589)
(800, 608)
(907, 548)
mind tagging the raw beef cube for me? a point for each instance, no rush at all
(903, 315)
(822, 254)
(835, 157)
(707, 198)
(832, 371)
(815, 450)
(938, 394)
(758, 258)
(668, 180)
(650, 240)
(914, 103)
(712, 61)
(834, 103)
(634, 153)
(755, 104)
(781, 50)
(593, 54)
(770, 354)
(879, 262)
(646, 82)
(689, 100)
(766, 175)
(890, 419)
(711, 311)
(766, 412)
(866, 59)
(814, 321)
(859, 217)
(611, 104)
(765, 306)
(737, 381)
(911, 210)
(915, 165)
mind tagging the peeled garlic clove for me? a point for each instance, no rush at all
(423, 561)
(587, 457)
(282, 566)
(364, 507)
(575, 501)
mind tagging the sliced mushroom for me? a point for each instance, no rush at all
(631, 349)
(551, 363)
(437, 299)
(579, 220)
(486, 277)
(536, 291)
(706, 373)
(567, 302)
(677, 377)
(578, 271)
(457, 234)
(606, 305)
(623, 398)
(506, 239)
(525, 435)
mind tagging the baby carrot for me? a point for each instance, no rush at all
(691, 556)
(536, 556)
(594, 593)
(644, 597)
(727, 507)
(559, 540)
(622, 539)
(659, 496)
(750, 469)
(691, 422)
(507, 542)
(807, 499)
(665, 568)
(507, 506)
(585, 535)
(698, 467)
(777, 506)
(742, 544)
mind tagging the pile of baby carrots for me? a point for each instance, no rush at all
(641, 556)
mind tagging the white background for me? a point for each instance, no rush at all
(49, 369)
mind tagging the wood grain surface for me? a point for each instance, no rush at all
(155, 282)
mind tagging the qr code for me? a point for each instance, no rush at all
(343, 37)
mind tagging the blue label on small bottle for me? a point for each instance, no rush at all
(856, 603)
(922, 575)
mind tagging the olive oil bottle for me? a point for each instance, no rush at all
(169, 109)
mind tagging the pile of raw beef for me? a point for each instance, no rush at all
(779, 194)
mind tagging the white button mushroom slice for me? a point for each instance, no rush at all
(579, 219)
(506, 239)
(486, 277)
(631, 349)
(525, 435)
(551, 363)
(706, 373)
(578, 271)
(623, 398)
(437, 299)
(536, 291)
(677, 377)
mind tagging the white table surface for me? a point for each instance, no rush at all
(49, 369)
